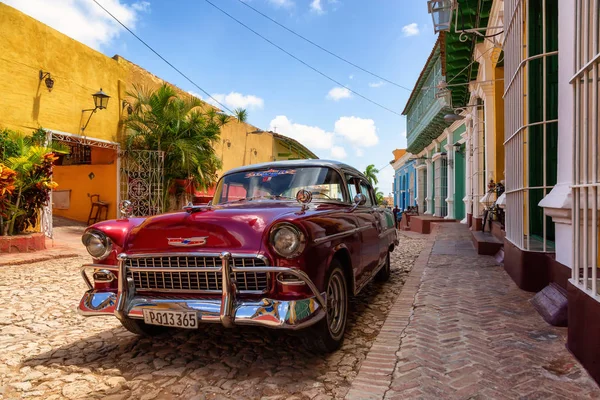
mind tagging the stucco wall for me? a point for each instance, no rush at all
(28, 46)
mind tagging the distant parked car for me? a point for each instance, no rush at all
(283, 245)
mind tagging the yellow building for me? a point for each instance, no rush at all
(33, 54)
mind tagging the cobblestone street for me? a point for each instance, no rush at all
(48, 351)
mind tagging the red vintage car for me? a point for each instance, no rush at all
(281, 245)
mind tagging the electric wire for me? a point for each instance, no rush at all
(162, 58)
(323, 48)
(301, 61)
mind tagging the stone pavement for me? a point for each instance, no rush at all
(461, 329)
(49, 352)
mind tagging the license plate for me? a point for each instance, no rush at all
(176, 319)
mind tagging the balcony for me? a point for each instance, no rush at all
(424, 110)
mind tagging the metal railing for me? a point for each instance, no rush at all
(518, 127)
(586, 152)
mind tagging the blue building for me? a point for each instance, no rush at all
(405, 182)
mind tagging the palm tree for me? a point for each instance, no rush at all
(241, 114)
(163, 121)
(379, 196)
(371, 174)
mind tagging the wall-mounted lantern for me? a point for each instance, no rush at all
(100, 102)
(47, 78)
(100, 99)
(441, 14)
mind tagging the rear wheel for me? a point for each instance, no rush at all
(383, 275)
(327, 334)
(141, 328)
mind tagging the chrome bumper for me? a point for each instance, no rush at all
(229, 310)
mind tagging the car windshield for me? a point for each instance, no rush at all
(325, 184)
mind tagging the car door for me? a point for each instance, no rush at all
(369, 232)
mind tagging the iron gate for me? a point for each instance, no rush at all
(142, 180)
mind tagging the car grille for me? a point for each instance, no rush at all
(195, 281)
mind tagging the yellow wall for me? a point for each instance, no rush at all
(76, 178)
(284, 151)
(28, 46)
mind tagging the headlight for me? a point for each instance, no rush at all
(287, 240)
(97, 244)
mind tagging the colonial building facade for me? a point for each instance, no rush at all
(525, 115)
(33, 55)
(405, 182)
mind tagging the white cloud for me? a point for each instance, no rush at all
(411, 29)
(238, 100)
(376, 84)
(282, 3)
(338, 93)
(310, 136)
(358, 131)
(338, 153)
(141, 6)
(359, 152)
(315, 6)
(197, 95)
(82, 19)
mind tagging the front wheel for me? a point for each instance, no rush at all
(141, 328)
(327, 334)
(383, 275)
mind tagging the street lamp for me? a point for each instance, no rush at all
(100, 103)
(441, 14)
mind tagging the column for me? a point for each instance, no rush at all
(558, 202)
(430, 184)
(450, 181)
(467, 198)
(475, 164)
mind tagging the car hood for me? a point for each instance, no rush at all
(231, 227)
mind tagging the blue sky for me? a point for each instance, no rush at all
(389, 37)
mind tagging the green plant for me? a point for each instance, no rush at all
(371, 174)
(32, 166)
(379, 197)
(163, 121)
(241, 114)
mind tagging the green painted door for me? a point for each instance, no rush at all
(459, 186)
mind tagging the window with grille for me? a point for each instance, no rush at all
(422, 182)
(411, 185)
(586, 124)
(531, 123)
(441, 186)
(79, 154)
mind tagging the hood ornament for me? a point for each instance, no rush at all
(187, 242)
(304, 197)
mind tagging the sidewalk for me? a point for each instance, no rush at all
(65, 244)
(461, 329)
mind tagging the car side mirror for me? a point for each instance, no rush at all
(360, 199)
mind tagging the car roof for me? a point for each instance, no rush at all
(337, 165)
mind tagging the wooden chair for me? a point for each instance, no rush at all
(97, 208)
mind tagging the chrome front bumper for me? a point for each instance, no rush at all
(229, 309)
